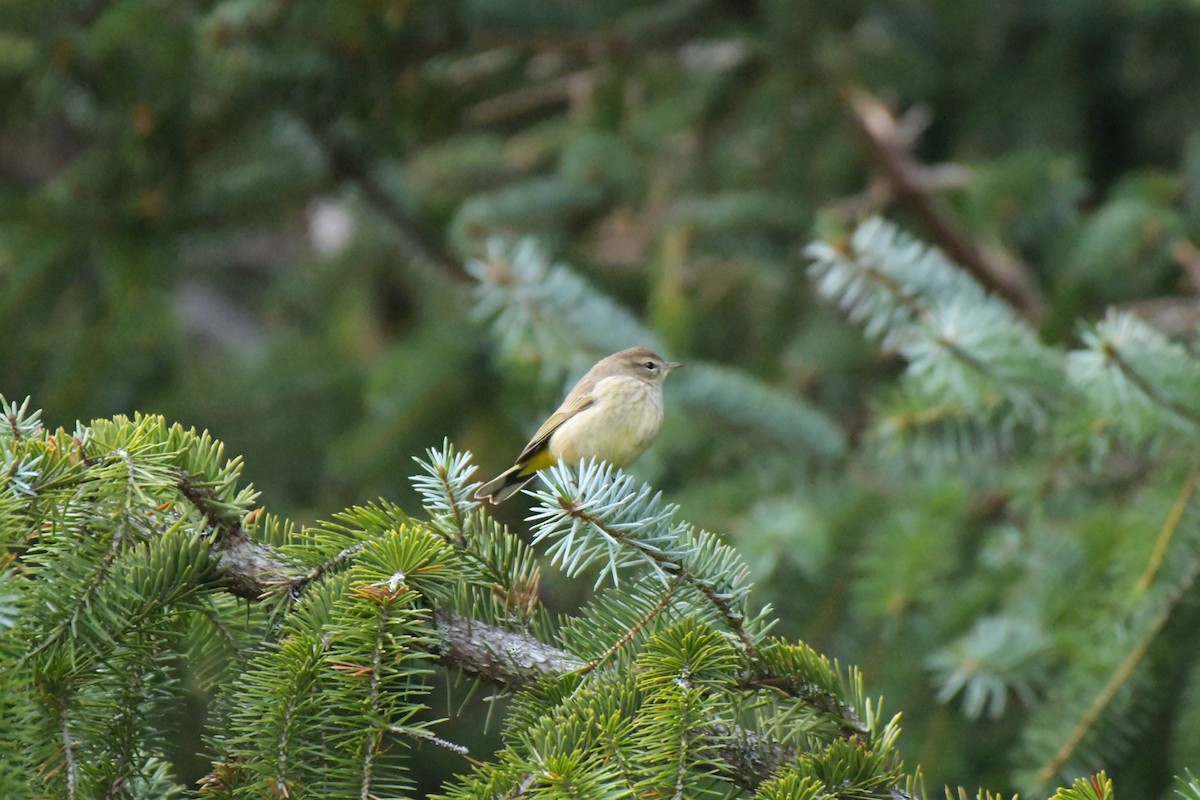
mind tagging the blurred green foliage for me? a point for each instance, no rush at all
(253, 216)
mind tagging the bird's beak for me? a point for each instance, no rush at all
(670, 365)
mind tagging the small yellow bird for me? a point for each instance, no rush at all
(612, 414)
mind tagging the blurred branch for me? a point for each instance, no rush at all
(1177, 317)
(888, 144)
(1187, 256)
(348, 165)
(560, 91)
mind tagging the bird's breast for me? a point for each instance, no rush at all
(617, 427)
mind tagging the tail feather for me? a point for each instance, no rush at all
(505, 485)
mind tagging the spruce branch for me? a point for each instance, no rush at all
(22, 423)
(377, 608)
(446, 488)
(1086, 721)
(1169, 529)
(92, 585)
(517, 659)
(1138, 378)
(1120, 678)
(372, 741)
(636, 628)
(888, 147)
(252, 569)
(426, 736)
(542, 308)
(976, 372)
(511, 659)
(749, 759)
(68, 749)
(793, 684)
(500, 656)
(560, 90)
(635, 527)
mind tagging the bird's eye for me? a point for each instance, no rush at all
(650, 365)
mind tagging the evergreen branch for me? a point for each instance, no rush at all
(252, 568)
(288, 723)
(459, 519)
(1167, 534)
(68, 752)
(512, 659)
(426, 736)
(797, 670)
(529, 99)
(1148, 390)
(21, 422)
(329, 565)
(502, 657)
(446, 488)
(92, 584)
(371, 737)
(532, 301)
(1120, 676)
(1139, 384)
(748, 758)
(681, 758)
(579, 511)
(887, 148)
(975, 370)
(101, 576)
(795, 685)
(634, 629)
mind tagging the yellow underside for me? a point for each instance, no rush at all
(539, 461)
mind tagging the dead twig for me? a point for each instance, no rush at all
(887, 144)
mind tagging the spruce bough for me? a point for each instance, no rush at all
(133, 545)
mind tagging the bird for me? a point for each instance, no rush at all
(611, 414)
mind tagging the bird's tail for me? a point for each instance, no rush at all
(505, 485)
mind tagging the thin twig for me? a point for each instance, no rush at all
(1168, 531)
(371, 746)
(69, 753)
(633, 630)
(558, 91)
(424, 735)
(1147, 387)
(460, 524)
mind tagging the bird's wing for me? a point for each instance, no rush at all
(564, 413)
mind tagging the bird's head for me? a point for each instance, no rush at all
(645, 364)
